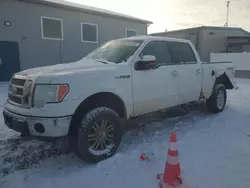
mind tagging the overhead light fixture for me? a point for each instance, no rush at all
(7, 23)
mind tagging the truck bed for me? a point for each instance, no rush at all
(213, 70)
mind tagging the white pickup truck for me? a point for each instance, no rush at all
(124, 78)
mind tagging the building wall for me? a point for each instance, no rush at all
(239, 45)
(215, 40)
(34, 51)
(189, 34)
(242, 74)
(206, 40)
(239, 49)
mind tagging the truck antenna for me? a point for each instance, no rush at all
(228, 4)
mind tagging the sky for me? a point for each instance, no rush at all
(179, 14)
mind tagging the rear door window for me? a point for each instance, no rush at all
(181, 53)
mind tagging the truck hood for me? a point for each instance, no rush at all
(83, 64)
(47, 73)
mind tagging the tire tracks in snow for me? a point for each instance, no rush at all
(19, 153)
(22, 153)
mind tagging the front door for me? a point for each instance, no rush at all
(9, 60)
(190, 73)
(157, 88)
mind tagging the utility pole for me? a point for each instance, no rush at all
(228, 4)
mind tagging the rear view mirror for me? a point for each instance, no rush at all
(146, 63)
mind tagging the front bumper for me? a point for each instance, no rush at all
(37, 126)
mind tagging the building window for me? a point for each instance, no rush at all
(131, 32)
(52, 28)
(89, 32)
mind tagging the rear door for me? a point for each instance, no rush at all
(190, 72)
(157, 88)
(9, 60)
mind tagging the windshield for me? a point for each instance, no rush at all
(116, 51)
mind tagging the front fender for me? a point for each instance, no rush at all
(119, 87)
(128, 104)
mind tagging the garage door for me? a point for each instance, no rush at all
(9, 60)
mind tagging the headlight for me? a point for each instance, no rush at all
(49, 94)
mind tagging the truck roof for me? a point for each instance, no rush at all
(147, 37)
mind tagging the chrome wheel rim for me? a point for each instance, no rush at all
(220, 99)
(101, 135)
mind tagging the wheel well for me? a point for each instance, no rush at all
(103, 99)
(223, 79)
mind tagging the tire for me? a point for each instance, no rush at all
(217, 101)
(96, 126)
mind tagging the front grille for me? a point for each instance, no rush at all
(15, 99)
(19, 92)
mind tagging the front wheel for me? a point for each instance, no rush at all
(98, 135)
(217, 101)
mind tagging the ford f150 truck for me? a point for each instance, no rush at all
(88, 100)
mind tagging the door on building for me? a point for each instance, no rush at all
(9, 60)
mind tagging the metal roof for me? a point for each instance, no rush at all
(204, 27)
(84, 8)
(238, 40)
(238, 37)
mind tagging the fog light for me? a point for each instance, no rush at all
(39, 128)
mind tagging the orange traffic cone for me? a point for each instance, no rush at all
(144, 157)
(172, 171)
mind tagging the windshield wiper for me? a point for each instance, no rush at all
(102, 61)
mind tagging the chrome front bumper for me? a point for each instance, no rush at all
(37, 126)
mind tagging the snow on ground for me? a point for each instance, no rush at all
(4, 131)
(214, 152)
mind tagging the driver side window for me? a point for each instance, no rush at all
(159, 49)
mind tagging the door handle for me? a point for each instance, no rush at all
(1, 62)
(174, 74)
(198, 71)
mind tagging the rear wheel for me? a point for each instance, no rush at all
(217, 101)
(98, 135)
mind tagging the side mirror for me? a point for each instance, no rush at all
(147, 62)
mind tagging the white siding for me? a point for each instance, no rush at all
(241, 61)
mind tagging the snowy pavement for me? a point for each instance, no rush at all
(214, 151)
(4, 131)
